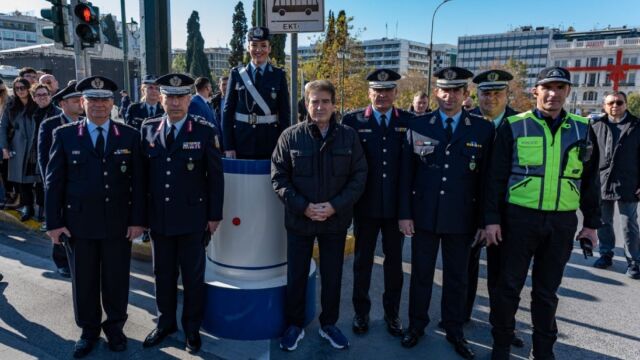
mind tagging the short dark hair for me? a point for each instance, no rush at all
(320, 85)
(201, 83)
(223, 78)
(617, 93)
(26, 70)
(420, 95)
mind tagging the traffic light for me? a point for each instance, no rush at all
(57, 14)
(88, 28)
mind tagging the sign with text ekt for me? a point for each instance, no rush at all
(295, 16)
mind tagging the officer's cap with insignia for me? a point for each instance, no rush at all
(97, 87)
(149, 79)
(493, 80)
(452, 77)
(553, 74)
(175, 84)
(383, 79)
(66, 93)
(258, 33)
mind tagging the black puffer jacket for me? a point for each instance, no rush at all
(308, 169)
(619, 163)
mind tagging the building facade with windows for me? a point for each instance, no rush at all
(600, 62)
(20, 30)
(525, 44)
(400, 55)
(218, 59)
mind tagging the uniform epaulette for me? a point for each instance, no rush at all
(125, 125)
(203, 121)
(151, 120)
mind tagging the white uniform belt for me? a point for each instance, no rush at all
(256, 119)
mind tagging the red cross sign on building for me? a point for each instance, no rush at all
(617, 72)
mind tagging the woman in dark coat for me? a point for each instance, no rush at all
(17, 134)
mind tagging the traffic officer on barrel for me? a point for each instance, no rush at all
(493, 97)
(443, 164)
(148, 108)
(70, 101)
(543, 168)
(381, 128)
(256, 108)
(95, 195)
(186, 188)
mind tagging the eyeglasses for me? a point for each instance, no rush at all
(19, 88)
(617, 102)
(42, 95)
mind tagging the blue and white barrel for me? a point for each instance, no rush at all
(246, 272)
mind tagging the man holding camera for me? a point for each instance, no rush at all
(543, 168)
(619, 138)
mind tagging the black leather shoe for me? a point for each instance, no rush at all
(26, 212)
(64, 272)
(517, 342)
(193, 343)
(83, 347)
(500, 353)
(157, 335)
(360, 324)
(394, 325)
(462, 347)
(411, 337)
(117, 342)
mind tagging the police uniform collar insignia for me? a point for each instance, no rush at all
(383, 76)
(449, 74)
(175, 81)
(493, 76)
(97, 83)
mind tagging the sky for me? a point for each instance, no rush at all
(408, 19)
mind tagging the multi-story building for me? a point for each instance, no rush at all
(525, 44)
(218, 59)
(400, 55)
(19, 30)
(600, 61)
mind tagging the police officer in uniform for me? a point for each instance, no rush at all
(150, 107)
(543, 168)
(95, 195)
(493, 96)
(186, 193)
(443, 164)
(256, 108)
(70, 101)
(381, 128)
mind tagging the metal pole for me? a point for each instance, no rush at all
(431, 50)
(294, 78)
(259, 12)
(125, 47)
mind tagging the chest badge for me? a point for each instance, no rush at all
(473, 164)
(123, 167)
(190, 165)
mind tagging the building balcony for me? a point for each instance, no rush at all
(595, 44)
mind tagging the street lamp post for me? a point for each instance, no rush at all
(135, 34)
(125, 48)
(431, 49)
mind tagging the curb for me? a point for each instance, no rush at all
(140, 250)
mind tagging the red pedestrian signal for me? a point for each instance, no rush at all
(88, 28)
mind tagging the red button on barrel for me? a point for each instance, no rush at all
(236, 221)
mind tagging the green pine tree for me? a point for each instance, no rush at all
(108, 26)
(196, 61)
(278, 42)
(239, 23)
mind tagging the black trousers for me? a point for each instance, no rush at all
(299, 252)
(173, 255)
(455, 254)
(547, 237)
(493, 272)
(366, 233)
(100, 271)
(27, 192)
(59, 256)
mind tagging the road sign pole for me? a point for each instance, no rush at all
(83, 66)
(294, 78)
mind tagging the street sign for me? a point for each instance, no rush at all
(294, 16)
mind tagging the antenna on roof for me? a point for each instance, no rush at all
(386, 30)
(396, 29)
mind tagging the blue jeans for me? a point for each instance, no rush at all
(629, 217)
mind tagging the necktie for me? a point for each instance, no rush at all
(383, 122)
(258, 77)
(449, 128)
(171, 136)
(100, 143)
(152, 111)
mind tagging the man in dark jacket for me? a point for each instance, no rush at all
(618, 133)
(381, 128)
(318, 170)
(69, 100)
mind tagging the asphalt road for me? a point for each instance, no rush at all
(598, 315)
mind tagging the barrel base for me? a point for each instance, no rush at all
(250, 310)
